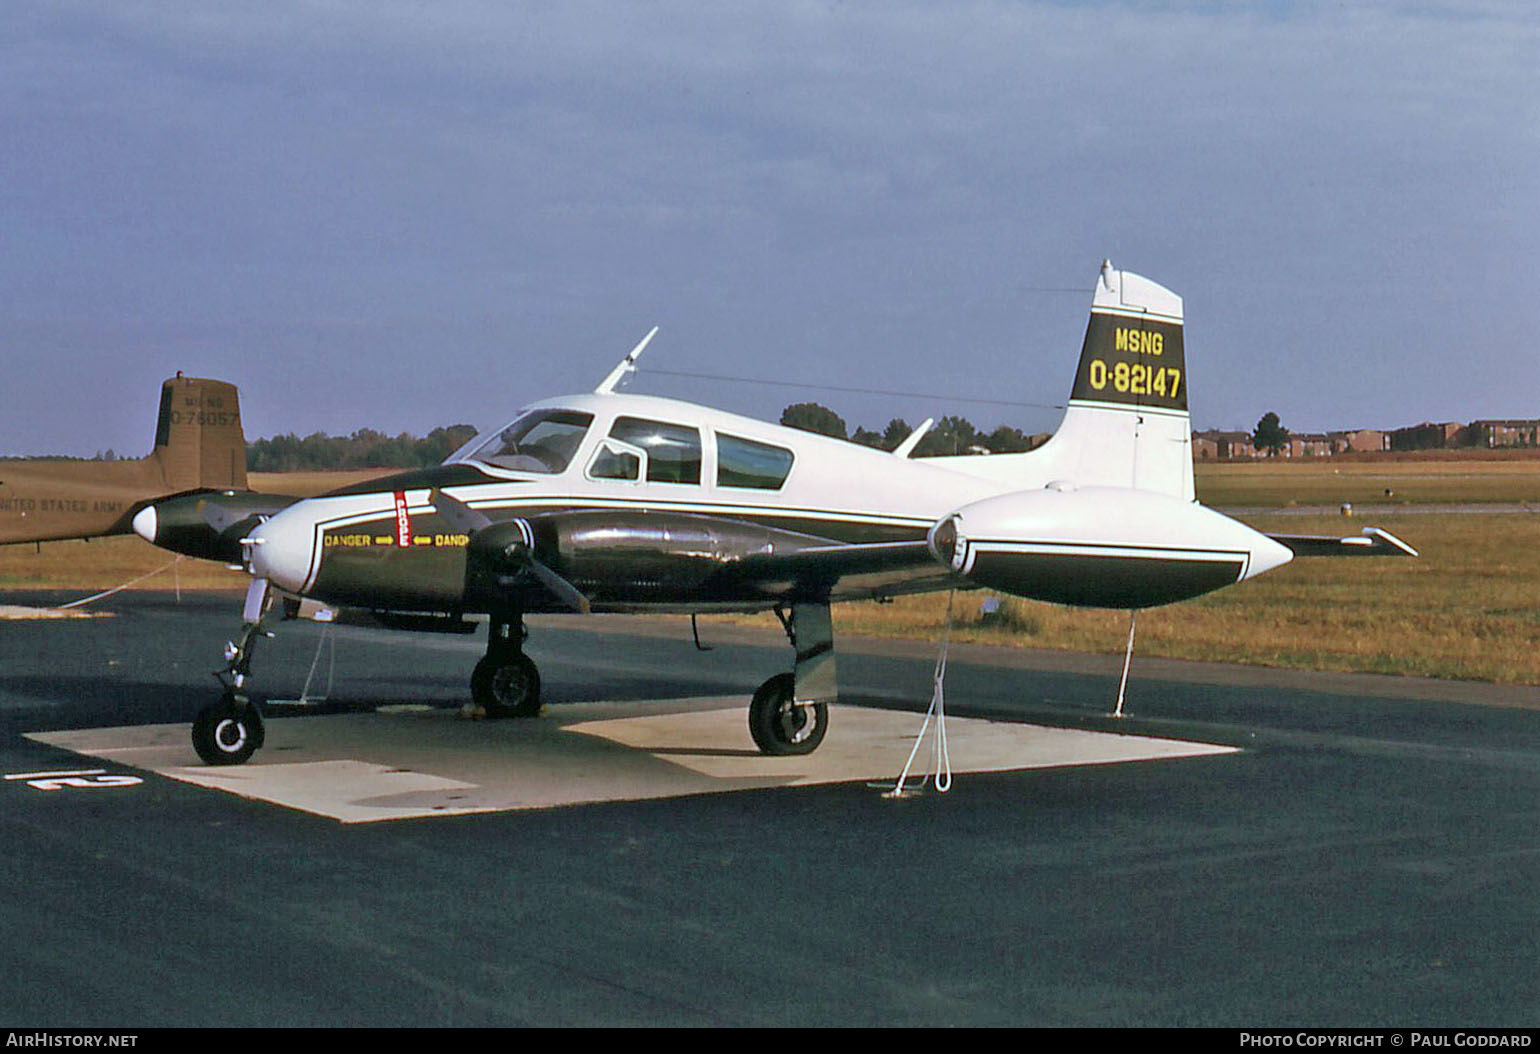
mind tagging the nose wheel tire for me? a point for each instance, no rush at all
(780, 724)
(228, 732)
(506, 687)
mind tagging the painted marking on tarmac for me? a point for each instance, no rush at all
(368, 767)
(15, 613)
(75, 779)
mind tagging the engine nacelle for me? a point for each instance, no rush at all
(1100, 546)
(206, 524)
(616, 556)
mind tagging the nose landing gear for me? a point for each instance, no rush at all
(230, 731)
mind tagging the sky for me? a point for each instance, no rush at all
(401, 215)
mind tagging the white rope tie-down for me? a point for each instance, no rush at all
(941, 762)
(118, 589)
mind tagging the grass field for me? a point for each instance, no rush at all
(103, 563)
(1368, 481)
(1468, 607)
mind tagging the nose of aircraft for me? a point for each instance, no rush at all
(146, 522)
(283, 549)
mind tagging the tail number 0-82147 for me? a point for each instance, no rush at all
(1135, 378)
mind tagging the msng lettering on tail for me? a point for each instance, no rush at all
(1138, 341)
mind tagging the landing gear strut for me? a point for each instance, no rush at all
(505, 683)
(230, 731)
(789, 714)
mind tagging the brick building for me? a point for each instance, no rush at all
(1493, 434)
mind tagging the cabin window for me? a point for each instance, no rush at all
(673, 451)
(543, 441)
(615, 461)
(745, 463)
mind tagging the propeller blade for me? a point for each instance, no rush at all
(521, 551)
(565, 591)
(461, 516)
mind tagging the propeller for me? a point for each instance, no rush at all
(564, 590)
(486, 534)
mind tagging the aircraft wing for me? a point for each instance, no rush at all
(836, 560)
(1372, 542)
(845, 571)
(618, 558)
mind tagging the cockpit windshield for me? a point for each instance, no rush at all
(540, 441)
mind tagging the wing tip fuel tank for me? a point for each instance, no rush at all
(1100, 547)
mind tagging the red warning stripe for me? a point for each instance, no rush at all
(403, 522)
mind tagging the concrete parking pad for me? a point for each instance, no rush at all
(400, 763)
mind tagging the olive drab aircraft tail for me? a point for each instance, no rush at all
(199, 446)
(199, 441)
(612, 502)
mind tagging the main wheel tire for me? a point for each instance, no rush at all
(780, 725)
(227, 732)
(508, 687)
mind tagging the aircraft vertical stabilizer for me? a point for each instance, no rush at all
(199, 442)
(1126, 424)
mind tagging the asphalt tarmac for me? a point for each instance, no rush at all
(1367, 857)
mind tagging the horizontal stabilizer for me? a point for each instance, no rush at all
(1372, 542)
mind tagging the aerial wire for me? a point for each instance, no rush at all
(849, 390)
(630, 360)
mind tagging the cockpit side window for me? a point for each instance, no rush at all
(543, 441)
(614, 460)
(673, 451)
(745, 463)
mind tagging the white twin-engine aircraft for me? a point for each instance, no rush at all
(624, 503)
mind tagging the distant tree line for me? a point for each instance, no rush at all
(365, 448)
(949, 435)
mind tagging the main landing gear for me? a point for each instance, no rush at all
(789, 714)
(505, 683)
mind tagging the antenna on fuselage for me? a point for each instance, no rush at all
(627, 365)
(906, 448)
